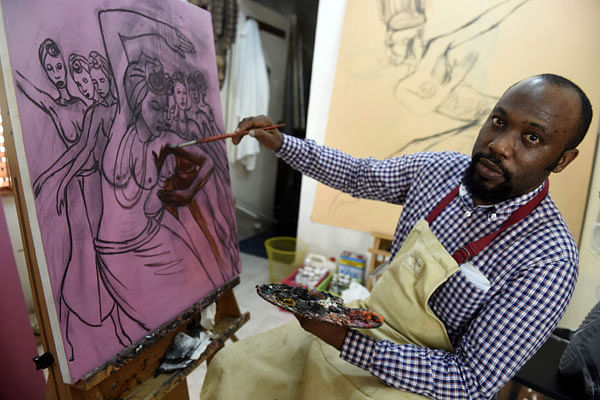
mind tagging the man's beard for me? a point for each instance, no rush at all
(479, 191)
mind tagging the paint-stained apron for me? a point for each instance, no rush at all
(290, 363)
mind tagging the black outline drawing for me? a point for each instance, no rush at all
(432, 71)
(81, 162)
(125, 180)
(66, 110)
(79, 70)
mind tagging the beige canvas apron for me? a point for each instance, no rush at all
(290, 363)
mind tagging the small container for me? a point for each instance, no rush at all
(318, 260)
(352, 264)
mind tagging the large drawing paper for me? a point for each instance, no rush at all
(128, 232)
(417, 75)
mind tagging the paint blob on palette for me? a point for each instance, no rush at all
(318, 305)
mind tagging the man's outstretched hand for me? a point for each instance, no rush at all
(271, 139)
(329, 333)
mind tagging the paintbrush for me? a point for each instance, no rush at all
(224, 136)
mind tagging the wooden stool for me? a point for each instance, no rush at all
(380, 253)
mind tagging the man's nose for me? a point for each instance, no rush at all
(503, 144)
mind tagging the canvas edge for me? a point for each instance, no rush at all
(30, 203)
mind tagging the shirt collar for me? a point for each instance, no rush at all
(504, 207)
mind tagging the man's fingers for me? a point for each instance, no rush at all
(270, 139)
(254, 122)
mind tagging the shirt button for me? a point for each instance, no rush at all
(468, 213)
(493, 216)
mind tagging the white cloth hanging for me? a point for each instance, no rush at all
(246, 89)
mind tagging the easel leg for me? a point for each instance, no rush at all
(179, 393)
(50, 391)
(227, 306)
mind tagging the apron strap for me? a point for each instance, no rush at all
(470, 250)
(442, 204)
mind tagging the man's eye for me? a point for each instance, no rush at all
(497, 121)
(532, 138)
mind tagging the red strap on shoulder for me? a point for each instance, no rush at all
(442, 204)
(470, 250)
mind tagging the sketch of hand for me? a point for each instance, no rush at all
(423, 93)
(183, 197)
(38, 184)
(61, 196)
(450, 72)
(190, 174)
(176, 40)
(165, 165)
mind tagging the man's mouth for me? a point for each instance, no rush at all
(489, 170)
(60, 84)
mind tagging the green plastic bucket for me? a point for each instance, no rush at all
(285, 256)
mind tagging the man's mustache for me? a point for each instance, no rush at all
(494, 159)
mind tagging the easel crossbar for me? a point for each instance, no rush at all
(96, 377)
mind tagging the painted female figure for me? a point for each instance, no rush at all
(82, 292)
(80, 73)
(132, 231)
(146, 258)
(217, 225)
(66, 110)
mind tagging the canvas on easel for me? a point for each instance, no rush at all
(128, 232)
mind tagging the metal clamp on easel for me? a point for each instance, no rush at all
(43, 361)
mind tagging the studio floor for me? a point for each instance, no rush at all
(263, 316)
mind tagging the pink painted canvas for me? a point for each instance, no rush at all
(133, 231)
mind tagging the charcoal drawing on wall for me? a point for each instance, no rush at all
(134, 231)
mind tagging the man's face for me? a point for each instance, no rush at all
(523, 140)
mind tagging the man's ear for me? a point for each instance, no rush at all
(565, 160)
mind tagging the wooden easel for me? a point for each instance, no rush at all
(131, 374)
(379, 253)
(135, 380)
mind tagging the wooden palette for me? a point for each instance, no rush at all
(307, 304)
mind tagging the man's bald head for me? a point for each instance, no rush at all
(585, 117)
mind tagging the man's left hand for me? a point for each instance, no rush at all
(329, 333)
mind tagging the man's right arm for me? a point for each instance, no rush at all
(386, 180)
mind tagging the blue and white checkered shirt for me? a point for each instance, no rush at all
(532, 268)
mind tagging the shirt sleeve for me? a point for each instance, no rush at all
(508, 331)
(386, 180)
